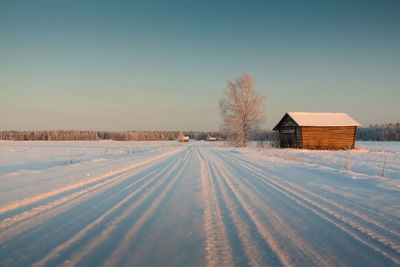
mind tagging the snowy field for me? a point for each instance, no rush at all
(197, 204)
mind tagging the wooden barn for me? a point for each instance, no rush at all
(317, 130)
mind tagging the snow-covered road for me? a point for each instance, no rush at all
(196, 204)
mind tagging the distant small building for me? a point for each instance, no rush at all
(317, 130)
(182, 137)
(212, 139)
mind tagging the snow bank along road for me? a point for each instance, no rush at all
(197, 204)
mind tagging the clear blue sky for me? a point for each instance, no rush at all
(162, 65)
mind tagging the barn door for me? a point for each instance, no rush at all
(288, 137)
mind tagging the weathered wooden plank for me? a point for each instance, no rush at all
(328, 137)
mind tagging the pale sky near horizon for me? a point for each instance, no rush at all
(163, 65)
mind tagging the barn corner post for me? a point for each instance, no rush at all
(301, 137)
(354, 138)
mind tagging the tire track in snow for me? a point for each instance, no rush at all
(124, 245)
(351, 212)
(218, 250)
(10, 227)
(265, 230)
(58, 191)
(78, 236)
(252, 251)
(105, 234)
(315, 207)
(340, 207)
(279, 226)
(69, 198)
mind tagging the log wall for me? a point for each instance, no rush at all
(324, 137)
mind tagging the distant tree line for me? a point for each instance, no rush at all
(380, 132)
(75, 135)
(262, 135)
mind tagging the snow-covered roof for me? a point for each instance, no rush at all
(322, 119)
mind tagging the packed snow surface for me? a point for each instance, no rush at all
(197, 204)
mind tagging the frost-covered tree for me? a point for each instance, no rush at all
(242, 109)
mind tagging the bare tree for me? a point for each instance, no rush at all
(242, 109)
